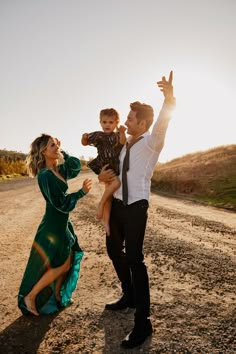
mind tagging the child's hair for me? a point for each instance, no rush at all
(110, 112)
(143, 112)
(35, 160)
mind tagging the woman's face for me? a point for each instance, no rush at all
(52, 151)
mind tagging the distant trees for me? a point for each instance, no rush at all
(13, 163)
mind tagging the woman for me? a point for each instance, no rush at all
(52, 270)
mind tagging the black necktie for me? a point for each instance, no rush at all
(125, 168)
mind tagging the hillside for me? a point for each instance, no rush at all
(208, 176)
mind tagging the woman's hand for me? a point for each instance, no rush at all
(57, 142)
(87, 184)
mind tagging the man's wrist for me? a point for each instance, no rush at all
(170, 101)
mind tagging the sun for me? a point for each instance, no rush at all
(204, 116)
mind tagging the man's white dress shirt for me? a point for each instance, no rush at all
(143, 158)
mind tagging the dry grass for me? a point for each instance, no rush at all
(12, 164)
(208, 176)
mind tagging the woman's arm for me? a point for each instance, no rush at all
(71, 166)
(52, 191)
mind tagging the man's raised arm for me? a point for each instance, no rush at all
(157, 138)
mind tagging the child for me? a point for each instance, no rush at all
(109, 143)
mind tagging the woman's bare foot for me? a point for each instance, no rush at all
(30, 305)
(99, 213)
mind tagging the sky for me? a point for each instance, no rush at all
(62, 61)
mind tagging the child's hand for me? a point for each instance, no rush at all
(122, 129)
(84, 139)
(87, 184)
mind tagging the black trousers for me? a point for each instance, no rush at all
(125, 249)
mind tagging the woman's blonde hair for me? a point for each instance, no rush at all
(35, 160)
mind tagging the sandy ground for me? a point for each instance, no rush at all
(191, 256)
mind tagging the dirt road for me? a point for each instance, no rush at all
(191, 256)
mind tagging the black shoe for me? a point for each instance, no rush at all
(139, 334)
(121, 304)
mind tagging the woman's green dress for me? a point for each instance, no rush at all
(54, 240)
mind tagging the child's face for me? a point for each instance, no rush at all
(108, 123)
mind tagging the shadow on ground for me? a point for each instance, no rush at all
(25, 334)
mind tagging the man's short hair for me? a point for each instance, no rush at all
(143, 112)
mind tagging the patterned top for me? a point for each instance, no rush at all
(108, 148)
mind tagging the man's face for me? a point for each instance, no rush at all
(133, 125)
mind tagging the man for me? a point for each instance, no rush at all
(129, 209)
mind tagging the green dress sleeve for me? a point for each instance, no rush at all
(71, 167)
(53, 192)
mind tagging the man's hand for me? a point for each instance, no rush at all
(167, 88)
(105, 175)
